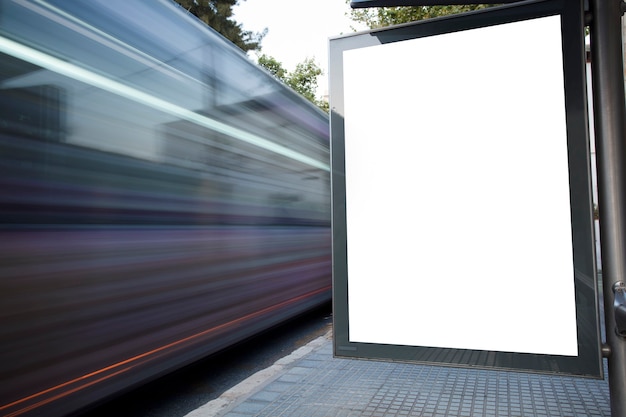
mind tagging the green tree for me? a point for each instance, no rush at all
(218, 14)
(273, 66)
(303, 79)
(377, 17)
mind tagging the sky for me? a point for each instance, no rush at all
(296, 30)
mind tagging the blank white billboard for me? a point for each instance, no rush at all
(457, 193)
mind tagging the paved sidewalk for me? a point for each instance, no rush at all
(311, 383)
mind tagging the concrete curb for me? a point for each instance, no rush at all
(255, 382)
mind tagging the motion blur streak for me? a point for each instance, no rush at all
(88, 77)
(54, 398)
(162, 198)
(238, 321)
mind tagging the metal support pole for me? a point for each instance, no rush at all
(609, 116)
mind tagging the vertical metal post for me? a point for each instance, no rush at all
(609, 116)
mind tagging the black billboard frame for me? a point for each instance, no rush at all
(588, 362)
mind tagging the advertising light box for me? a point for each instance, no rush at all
(462, 213)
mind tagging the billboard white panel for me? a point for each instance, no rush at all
(457, 191)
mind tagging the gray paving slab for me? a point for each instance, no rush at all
(312, 383)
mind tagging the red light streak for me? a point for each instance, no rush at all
(129, 361)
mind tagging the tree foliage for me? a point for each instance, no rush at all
(377, 17)
(303, 79)
(218, 14)
(273, 66)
